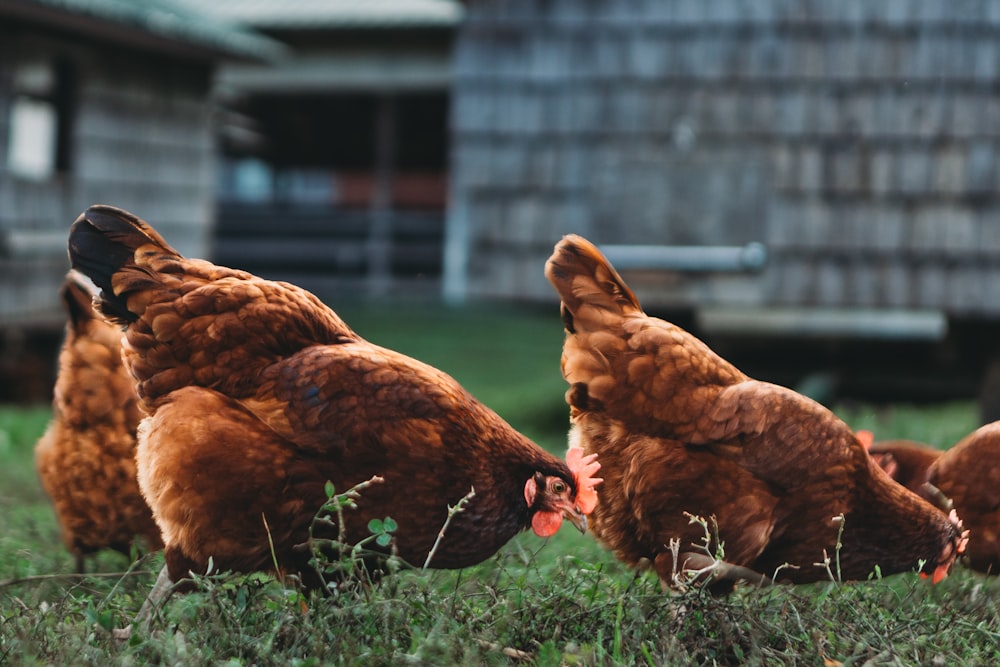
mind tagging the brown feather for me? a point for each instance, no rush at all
(86, 458)
(965, 476)
(680, 430)
(260, 394)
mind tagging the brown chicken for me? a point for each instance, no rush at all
(965, 477)
(258, 394)
(86, 458)
(906, 461)
(680, 430)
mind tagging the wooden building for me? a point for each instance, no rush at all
(334, 160)
(101, 101)
(857, 142)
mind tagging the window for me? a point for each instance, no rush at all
(40, 119)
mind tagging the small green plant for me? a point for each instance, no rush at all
(382, 530)
(706, 563)
(452, 511)
(565, 600)
(335, 559)
(834, 573)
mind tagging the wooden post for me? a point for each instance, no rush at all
(380, 228)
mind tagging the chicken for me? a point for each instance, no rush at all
(258, 394)
(906, 461)
(86, 457)
(965, 477)
(680, 430)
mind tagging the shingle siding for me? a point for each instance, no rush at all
(858, 140)
(142, 140)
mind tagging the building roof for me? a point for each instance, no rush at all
(157, 25)
(327, 14)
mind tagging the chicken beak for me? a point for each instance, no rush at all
(577, 518)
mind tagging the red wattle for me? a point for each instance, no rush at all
(546, 524)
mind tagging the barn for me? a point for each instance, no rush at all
(345, 143)
(769, 168)
(100, 101)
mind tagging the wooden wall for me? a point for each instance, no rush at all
(141, 139)
(859, 141)
(333, 252)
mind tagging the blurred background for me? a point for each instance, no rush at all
(810, 186)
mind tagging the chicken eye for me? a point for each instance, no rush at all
(558, 487)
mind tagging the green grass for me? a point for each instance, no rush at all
(562, 601)
(940, 425)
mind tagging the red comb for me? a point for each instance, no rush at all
(583, 468)
(866, 437)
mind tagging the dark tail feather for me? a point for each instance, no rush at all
(102, 241)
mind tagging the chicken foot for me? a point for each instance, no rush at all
(717, 574)
(162, 589)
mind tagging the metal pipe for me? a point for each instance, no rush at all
(750, 257)
(887, 324)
